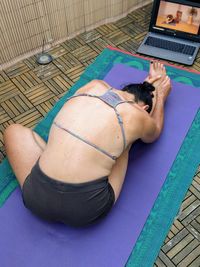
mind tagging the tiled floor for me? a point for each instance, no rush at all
(28, 91)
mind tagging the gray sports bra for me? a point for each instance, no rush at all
(111, 99)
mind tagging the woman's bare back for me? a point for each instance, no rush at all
(69, 159)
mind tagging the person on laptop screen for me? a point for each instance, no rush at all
(178, 17)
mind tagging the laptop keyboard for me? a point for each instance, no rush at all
(169, 45)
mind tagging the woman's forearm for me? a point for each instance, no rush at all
(158, 115)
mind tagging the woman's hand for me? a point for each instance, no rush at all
(156, 70)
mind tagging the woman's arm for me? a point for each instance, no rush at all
(153, 124)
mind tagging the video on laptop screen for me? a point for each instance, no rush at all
(178, 17)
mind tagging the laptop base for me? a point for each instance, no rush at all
(167, 54)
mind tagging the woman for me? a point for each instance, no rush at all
(77, 176)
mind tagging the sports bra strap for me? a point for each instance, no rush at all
(112, 100)
(122, 127)
(85, 141)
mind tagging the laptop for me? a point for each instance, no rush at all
(174, 31)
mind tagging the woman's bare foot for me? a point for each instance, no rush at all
(156, 69)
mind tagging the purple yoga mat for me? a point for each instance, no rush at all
(28, 241)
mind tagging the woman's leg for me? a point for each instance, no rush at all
(23, 148)
(116, 178)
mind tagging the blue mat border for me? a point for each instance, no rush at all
(155, 230)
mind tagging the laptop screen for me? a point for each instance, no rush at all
(177, 17)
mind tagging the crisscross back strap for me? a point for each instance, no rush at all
(85, 141)
(111, 99)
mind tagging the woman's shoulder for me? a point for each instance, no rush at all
(94, 86)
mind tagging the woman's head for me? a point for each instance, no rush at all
(143, 92)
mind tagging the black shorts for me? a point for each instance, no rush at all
(73, 204)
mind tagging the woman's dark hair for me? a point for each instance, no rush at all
(142, 92)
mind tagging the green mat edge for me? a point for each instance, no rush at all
(156, 229)
(140, 250)
(8, 190)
